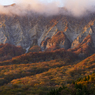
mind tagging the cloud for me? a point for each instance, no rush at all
(80, 7)
(23, 7)
(39, 7)
(73, 7)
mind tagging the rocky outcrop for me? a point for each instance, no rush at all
(58, 40)
(27, 31)
(85, 48)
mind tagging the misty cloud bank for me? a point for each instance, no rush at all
(80, 7)
(71, 7)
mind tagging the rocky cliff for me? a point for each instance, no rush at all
(47, 32)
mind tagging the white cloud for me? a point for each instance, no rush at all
(79, 7)
(75, 7)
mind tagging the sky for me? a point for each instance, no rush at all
(8, 2)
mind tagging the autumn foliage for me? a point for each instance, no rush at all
(7, 51)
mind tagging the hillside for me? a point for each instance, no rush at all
(83, 86)
(42, 55)
(21, 76)
(82, 50)
(7, 51)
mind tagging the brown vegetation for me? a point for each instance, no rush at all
(8, 51)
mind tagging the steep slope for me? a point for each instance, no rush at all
(58, 40)
(32, 30)
(82, 50)
(85, 48)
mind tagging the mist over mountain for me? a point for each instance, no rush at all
(46, 49)
(76, 8)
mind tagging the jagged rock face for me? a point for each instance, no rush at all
(85, 48)
(58, 40)
(38, 30)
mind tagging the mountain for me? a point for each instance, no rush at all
(27, 31)
(47, 55)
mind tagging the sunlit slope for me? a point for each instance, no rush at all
(83, 86)
(39, 78)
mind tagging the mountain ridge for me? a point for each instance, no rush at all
(26, 31)
(59, 50)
